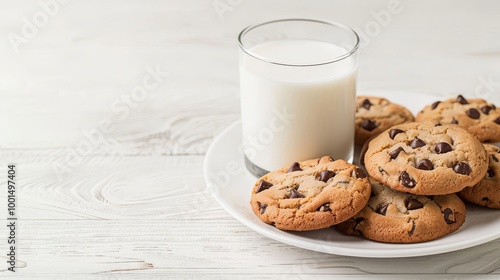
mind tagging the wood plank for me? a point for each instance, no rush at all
(209, 274)
(112, 188)
(183, 127)
(154, 213)
(201, 245)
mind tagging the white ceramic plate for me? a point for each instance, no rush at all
(231, 184)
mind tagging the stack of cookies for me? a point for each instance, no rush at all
(416, 169)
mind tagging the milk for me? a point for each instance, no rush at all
(292, 113)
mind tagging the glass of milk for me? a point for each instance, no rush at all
(298, 92)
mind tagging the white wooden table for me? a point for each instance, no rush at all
(107, 109)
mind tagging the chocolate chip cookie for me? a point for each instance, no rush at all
(426, 158)
(487, 191)
(375, 114)
(310, 195)
(480, 117)
(396, 217)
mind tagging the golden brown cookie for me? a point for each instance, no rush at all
(396, 217)
(487, 191)
(375, 114)
(310, 195)
(426, 158)
(479, 116)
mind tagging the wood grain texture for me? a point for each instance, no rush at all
(113, 188)
(131, 202)
(114, 221)
(67, 78)
(202, 245)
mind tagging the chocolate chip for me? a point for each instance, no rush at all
(495, 159)
(325, 175)
(473, 113)
(453, 121)
(368, 125)
(294, 167)
(486, 109)
(295, 194)
(484, 199)
(382, 209)
(493, 106)
(357, 222)
(406, 180)
(262, 208)
(324, 208)
(331, 159)
(358, 173)
(435, 104)
(462, 100)
(413, 204)
(425, 164)
(350, 225)
(449, 217)
(263, 185)
(393, 132)
(382, 170)
(417, 143)
(462, 168)
(394, 154)
(367, 104)
(412, 230)
(491, 173)
(497, 120)
(442, 148)
(438, 124)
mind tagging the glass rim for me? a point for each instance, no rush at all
(264, 59)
